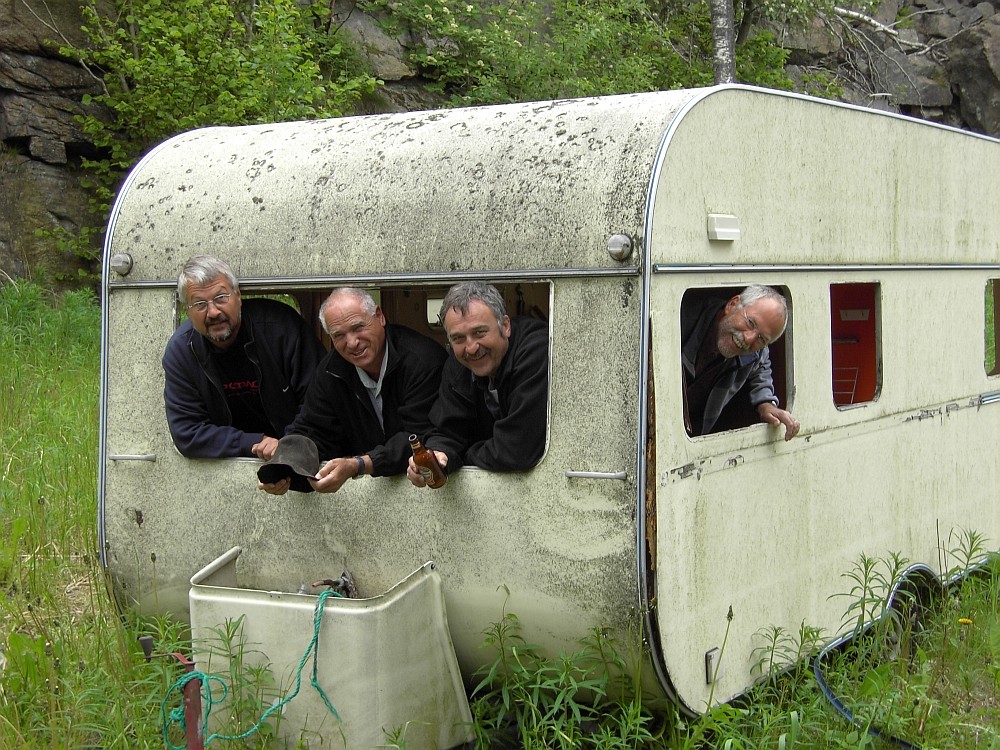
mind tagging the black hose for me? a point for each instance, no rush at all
(844, 710)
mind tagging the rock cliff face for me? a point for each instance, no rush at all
(935, 59)
(939, 61)
(40, 142)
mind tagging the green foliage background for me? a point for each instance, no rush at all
(168, 66)
(479, 53)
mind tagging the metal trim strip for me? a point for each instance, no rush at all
(845, 268)
(291, 282)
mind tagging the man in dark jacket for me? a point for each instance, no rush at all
(370, 393)
(724, 351)
(235, 372)
(491, 410)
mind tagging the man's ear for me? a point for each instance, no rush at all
(505, 328)
(733, 304)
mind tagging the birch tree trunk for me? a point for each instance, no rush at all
(724, 52)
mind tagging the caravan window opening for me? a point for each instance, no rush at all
(739, 413)
(855, 343)
(415, 306)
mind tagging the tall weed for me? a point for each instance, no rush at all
(71, 674)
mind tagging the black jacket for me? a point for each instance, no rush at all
(338, 414)
(465, 429)
(284, 352)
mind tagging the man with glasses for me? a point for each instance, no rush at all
(724, 353)
(236, 371)
(370, 393)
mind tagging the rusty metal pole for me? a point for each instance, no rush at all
(192, 695)
(192, 706)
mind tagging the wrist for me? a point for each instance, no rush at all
(361, 467)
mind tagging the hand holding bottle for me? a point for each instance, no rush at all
(425, 467)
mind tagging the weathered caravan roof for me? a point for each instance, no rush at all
(627, 518)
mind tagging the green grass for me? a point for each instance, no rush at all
(73, 674)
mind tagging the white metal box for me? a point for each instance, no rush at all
(386, 663)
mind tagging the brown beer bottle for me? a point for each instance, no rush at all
(427, 464)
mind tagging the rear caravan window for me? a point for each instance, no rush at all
(855, 343)
(697, 307)
(992, 326)
(414, 306)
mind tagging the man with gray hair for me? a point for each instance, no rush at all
(369, 394)
(725, 351)
(491, 409)
(236, 370)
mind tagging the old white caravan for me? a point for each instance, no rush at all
(600, 216)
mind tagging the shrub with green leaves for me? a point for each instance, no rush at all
(168, 66)
(579, 700)
(485, 53)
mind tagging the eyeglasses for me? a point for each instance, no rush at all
(752, 325)
(202, 305)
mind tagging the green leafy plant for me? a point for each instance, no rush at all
(481, 53)
(167, 67)
(238, 694)
(571, 701)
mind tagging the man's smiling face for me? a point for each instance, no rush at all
(478, 340)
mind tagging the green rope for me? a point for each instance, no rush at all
(176, 716)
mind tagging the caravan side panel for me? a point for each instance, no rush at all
(748, 523)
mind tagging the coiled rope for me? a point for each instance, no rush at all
(176, 715)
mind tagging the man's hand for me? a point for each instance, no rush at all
(275, 488)
(265, 448)
(775, 416)
(415, 477)
(334, 473)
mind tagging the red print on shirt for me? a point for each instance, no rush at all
(240, 387)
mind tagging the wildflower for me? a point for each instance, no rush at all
(964, 621)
